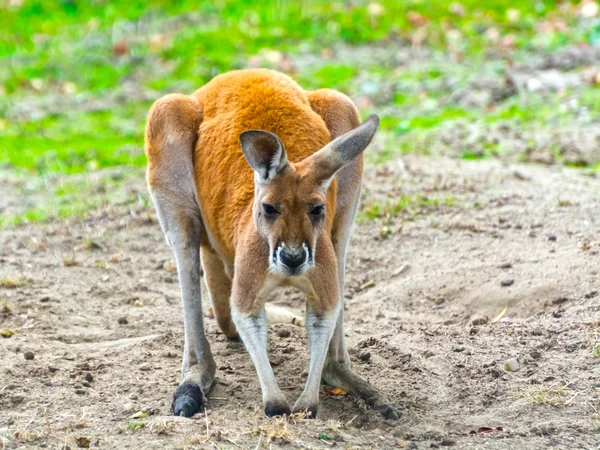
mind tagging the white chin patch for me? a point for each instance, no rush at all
(278, 268)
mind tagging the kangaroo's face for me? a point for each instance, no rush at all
(290, 207)
(289, 212)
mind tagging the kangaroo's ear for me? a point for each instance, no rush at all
(265, 153)
(339, 152)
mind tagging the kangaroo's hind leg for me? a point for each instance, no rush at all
(171, 134)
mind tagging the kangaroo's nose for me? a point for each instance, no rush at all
(293, 258)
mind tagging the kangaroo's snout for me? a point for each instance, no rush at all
(294, 260)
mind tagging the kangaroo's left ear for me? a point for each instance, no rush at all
(265, 153)
(339, 152)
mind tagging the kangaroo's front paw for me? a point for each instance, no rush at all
(188, 399)
(277, 408)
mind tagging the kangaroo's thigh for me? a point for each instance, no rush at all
(219, 290)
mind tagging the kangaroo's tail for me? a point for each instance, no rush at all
(280, 314)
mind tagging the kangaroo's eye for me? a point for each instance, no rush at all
(317, 211)
(270, 210)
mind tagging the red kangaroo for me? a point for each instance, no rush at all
(277, 212)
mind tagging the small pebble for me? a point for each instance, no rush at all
(145, 366)
(45, 299)
(532, 234)
(122, 321)
(364, 356)
(559, 300)
(519, 226)
(276, 360)
(128, 406)
(458, 349)
(133, 396)
(507, 282)
(28, 355)
(505, 265)
(535, 354)
(85, 383)
(283, 333)
(512, 365)
(552, 237)
(597, 384)
(411, 445)
(89, 377)
(80, 391)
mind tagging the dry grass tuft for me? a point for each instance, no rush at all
(163, 427)
(11, 282)
(276, 428)
(81, 422)
(555, 395)
(25, 436)
(69, 260)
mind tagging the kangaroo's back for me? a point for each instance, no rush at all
(233, 103)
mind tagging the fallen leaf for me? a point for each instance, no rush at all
(367, 285)
(499, 316)
(120, 48)
(140, 415)
(338, 391)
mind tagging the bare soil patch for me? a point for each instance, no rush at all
(96, 302)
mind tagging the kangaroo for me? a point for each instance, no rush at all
(276, 212)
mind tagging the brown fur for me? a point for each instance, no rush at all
(211, 194)
(232, 103)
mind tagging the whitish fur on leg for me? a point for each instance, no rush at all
(253, 331)
(319, 329)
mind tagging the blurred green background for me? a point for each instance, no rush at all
(466, 79)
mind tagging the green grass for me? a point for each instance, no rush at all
(94, 48)
(79, 76)
(61, 198)
(411, 204)
(74, 141)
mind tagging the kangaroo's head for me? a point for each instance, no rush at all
(290, 199)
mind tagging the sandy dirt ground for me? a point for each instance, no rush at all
(95, 311)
